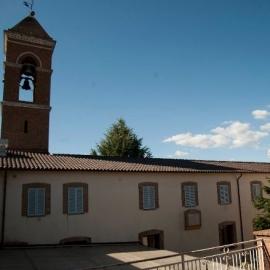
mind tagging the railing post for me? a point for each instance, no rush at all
(260, 254)
(183, 261)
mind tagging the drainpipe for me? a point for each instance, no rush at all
(239, 206)
(4, 209)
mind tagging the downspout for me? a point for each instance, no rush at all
(4, 209)
(240, 207)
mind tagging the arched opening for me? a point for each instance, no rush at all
(27, 80)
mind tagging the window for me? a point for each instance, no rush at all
(192, 219)
(189, 194)
(25, 128)
(256, 190)
(35, 200)
(227, 233)
(75, 198)
(148, 196)
(224, 193)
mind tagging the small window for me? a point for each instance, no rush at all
(224, 193)
(148, 196)
(35, 199)
(75, 198)
(256, 190)
(192, 219)
(25, 128)
(189, 195)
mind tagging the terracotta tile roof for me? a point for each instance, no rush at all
(31, 27)
(17, 160)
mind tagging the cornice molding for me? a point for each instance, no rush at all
(19, 66)
(25, 105)
(30, 39)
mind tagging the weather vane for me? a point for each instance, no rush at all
(29, 4)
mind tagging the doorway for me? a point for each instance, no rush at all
(152, 239)
(227, 233)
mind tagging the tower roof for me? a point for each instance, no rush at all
(31, 27)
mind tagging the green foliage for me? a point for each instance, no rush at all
(121, 141)
(262, 221)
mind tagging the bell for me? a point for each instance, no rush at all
(26, 84)
(29, 70)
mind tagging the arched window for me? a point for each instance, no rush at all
(27, 79)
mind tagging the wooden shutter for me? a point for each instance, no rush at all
(148, 196)
(85, 197)
(189, 195)
(224, 192)
(71, 200)
(40, 201)
(31, 202)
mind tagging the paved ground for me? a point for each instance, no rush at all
(82, 258)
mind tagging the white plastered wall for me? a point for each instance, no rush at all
(114, 214)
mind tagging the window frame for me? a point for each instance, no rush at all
(192, 227)
(251, 192)
(141, 195)
(196, 194)
(25, 198)
(219, 184)
(66, 187)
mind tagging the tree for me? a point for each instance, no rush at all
(121, 141)
(262, 220)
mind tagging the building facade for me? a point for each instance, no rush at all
(50, 199)
(54, 199)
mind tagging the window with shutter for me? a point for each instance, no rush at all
(256, 190)
(224, 193)
(75, 200)
(36, 202)
(149, 197)
(189, 195)
(36, 199)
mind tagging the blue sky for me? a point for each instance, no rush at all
(186, 75)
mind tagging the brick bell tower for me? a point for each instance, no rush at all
(27, 82)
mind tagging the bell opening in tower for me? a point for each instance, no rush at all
(27, 82)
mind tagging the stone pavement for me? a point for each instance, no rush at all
(82, 258)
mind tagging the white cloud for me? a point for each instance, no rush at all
(260, 114)
(181, 154)
(231, 134)
(265, 127)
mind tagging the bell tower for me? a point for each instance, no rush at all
(27, 81)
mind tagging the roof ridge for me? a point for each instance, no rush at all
(158, 158)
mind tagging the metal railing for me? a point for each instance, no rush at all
(249, 255)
